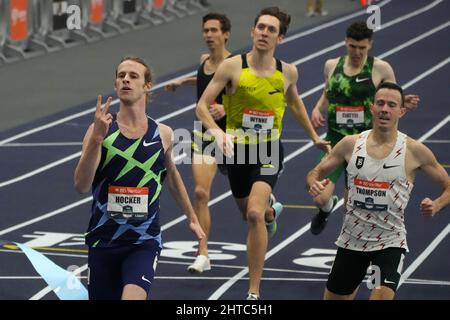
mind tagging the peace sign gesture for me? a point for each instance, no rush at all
(102, 119)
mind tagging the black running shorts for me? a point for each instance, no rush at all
(260, 163)
(350, 268)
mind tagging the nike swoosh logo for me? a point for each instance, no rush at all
(388, 167)
(361, 80)
(145, 279)
(145, 144)
(273, 92)
(387, 281)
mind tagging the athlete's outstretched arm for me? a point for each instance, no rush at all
(175, 182)
(341, 153)
(187, 81)
(174, 85)
(92, 147)
(432, 168)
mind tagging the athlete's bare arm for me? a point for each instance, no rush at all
(383, 72)
(341, 153)
(175, 182)
(92, 147)
(319, 111)
(188, 81)
(420, 157)
(174, 85)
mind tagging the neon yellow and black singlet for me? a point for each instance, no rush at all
(349, 100)
(257, 107)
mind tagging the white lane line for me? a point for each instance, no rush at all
(436, 128)
(427, 282)
(242, 279)
(410, 15)
(41, 144)
(47, 126)
(46, 215)
(215, 265)
(414, 40)
(421, 258)
(410, 282)
(176, 113)
(49, 253)
(41, 169)
(26, 277)
(227, 266)
(436, 141)
(441, 236)
(47, 289)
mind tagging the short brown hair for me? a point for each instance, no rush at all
(283, 17)
(392, 86)
(147, 73)
(225, 24)
(359, 31)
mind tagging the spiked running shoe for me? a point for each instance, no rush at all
(320, 220)
(278, 208)
(200, 264)
(252, 296)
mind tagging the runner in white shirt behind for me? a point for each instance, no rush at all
(382, 164)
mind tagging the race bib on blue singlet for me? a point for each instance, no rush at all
(127, 203)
